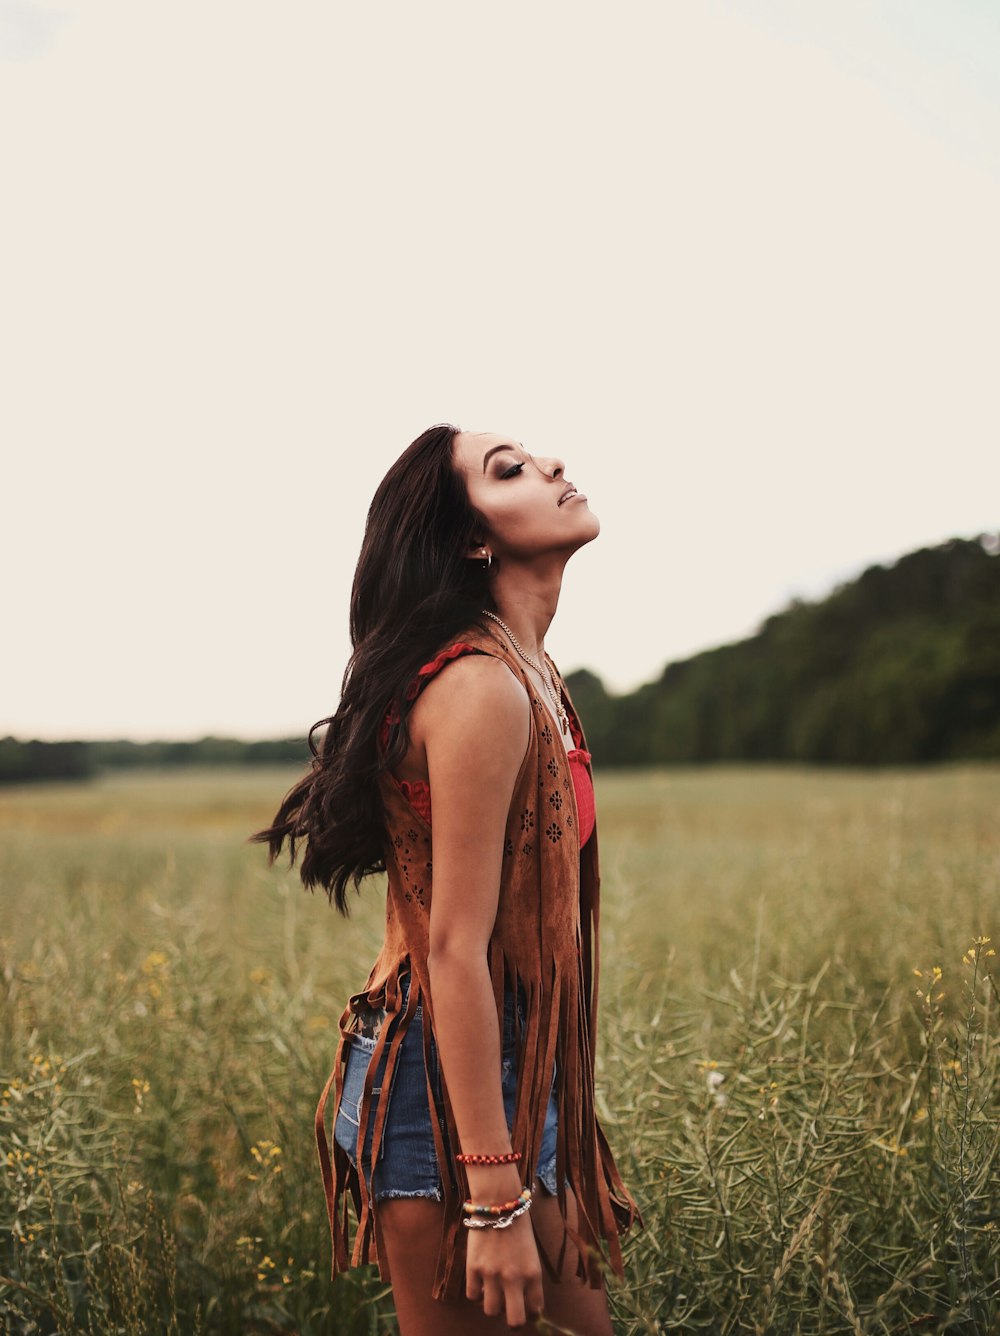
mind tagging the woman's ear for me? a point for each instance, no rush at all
(479, 552)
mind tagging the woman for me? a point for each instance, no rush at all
(464, 1121)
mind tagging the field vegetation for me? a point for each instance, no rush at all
(798, 1059)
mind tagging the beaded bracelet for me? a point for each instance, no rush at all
(496, 1222)
(509, 1157)
(498, 1208)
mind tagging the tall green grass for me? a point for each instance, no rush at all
(797, 1062)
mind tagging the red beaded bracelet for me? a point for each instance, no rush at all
(509, 1157)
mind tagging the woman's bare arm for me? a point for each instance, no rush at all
(476, 729)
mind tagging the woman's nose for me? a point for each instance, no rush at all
(552, 466)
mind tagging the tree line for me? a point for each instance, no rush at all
(24, 762)
(898, 666)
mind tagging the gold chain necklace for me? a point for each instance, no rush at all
(543, 673)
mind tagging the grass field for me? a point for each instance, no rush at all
(798, 1059)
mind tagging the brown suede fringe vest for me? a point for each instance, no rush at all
(545, 938)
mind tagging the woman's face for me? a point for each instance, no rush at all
(520, 497)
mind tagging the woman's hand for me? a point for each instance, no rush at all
(503, 1270)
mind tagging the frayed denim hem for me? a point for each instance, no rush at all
(546, 1175)
(396, 1194)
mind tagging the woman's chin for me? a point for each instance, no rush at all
(589, 533)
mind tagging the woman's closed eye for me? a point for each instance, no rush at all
(513, 471)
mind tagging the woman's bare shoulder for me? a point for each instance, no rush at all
(477, 732)
(476, 692)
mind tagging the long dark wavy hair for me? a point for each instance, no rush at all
(414, 590)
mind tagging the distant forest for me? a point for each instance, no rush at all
(901, 665)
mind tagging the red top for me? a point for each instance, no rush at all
(417, 792)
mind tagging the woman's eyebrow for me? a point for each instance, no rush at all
(493, 449)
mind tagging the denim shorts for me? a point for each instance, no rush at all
(407, 1163)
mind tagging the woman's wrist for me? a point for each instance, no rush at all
(490, 1183)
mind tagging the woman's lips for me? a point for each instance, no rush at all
(577, 496)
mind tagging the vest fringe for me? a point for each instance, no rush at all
(559, 975)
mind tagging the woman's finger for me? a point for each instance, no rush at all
(515, 1303)
(534, 1297)
(492, 1296)
(473, 1286)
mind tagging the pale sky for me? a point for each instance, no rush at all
(735, 264)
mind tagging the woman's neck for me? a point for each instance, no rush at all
(527, 602)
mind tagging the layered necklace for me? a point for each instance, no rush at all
(540, 669)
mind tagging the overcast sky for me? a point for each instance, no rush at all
(736, 264)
